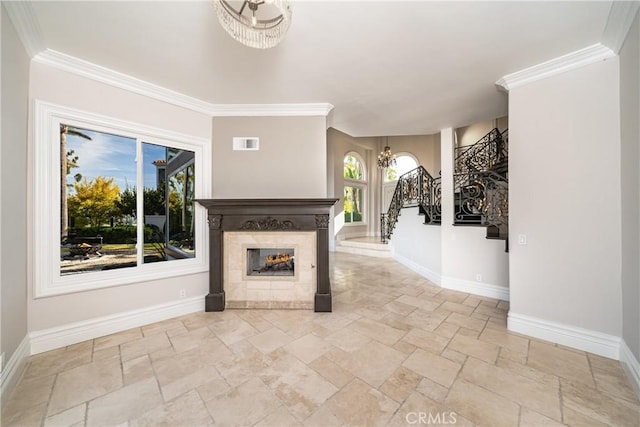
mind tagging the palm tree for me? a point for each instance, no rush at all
(64, 171)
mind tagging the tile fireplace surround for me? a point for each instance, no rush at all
(236, 225)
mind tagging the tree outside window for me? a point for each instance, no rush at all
(100, 218)
(353, 197)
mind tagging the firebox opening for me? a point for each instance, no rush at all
(270, 262)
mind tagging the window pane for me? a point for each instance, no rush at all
(97, 225)
(403, 165)
(353, 168)
(352, 204)
(180, 186)
(154, 201)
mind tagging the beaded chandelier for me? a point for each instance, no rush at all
(260, 24)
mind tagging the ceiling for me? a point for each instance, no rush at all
(388, 67)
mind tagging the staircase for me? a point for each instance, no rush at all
(481, 190)
(414, 188)
(481, 186)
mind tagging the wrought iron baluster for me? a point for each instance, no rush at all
(414, 188)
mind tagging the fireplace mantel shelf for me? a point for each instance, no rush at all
(260, 215)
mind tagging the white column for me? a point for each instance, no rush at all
(448, 235)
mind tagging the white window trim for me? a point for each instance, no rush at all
(45, 241)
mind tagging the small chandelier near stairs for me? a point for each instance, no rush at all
(260, 24)
(386, 158)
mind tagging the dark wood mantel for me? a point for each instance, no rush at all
(267, 215)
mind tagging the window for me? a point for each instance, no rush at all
(354, 189)
(404, 163)
(114, 202)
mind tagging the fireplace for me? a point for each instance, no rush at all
(269, 253)
(270, 262)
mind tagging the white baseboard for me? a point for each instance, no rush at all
(476, 288)
(582, 339)
(430, 275)
(12, 371)
(631, 365)
(74, 333)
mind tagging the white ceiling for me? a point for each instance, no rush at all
(388, 67)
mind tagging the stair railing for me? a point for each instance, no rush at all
(481, 198)
(481, 156)
(414, 188)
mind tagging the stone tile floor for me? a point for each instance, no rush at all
(396, 351)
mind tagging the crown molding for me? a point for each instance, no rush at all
(120, 80)
(235, 110)
(92, 71)
(579, 58)
(618, 24)
(26, 24)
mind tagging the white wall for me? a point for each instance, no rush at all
(469, 135)
(417, 245)
(291, 162)
(53, 85)
(564, 188)
(630, 163)
(13, 216)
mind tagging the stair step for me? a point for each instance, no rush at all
(368, 246)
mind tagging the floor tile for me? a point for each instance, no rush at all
(120, 405)
(117, 339)
(397, 350)
(186, 410)
(481, 406)
(420, 411)
(599, 406)
(426, 340)
(85, 383)
(356, 404)
(374, 363)
(67, 418)
(132, 349)
(377, 331)
(473, 347)
(611, 378)
(308, 347)
(245, 405)
(541, 396)
(60, 360)
(270, 340)
(401, 384)
(348, 339)
(301, 389)
(331, 371)
(436, 368)
(561, 362)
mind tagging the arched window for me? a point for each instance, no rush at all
(354, 188)
(405, 162)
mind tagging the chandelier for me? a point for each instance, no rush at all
(385, 158)
(246, 26)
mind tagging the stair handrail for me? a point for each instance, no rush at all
(482, 155)
(414, 188)
(486, 194)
